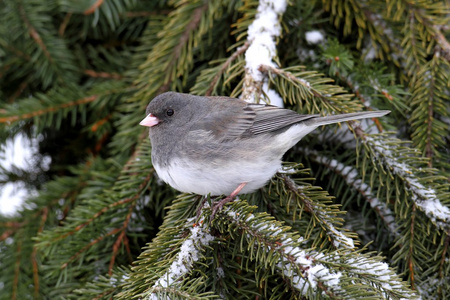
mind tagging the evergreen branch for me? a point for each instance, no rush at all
(93, 7)
(421, 13)
(171, 56)
(426, 198)
(296, 265)
(443, 260)
(34, 262)
(183, 263)
(42, 111)
(326, 220)
(184, 38)
(431, 82)
(16, 270)
(16, 52)
(351, 177)
(121, 238)
(96, 74)
(177, 294)
(105, 209)
(92, 243)
(310, 86)
(442, 42)
(139, 14)
(225, 66)
(410, 258)
(105, 293)
(372, 272)
(33, 33)
(65, 22)
(310, 273)
(18, 92)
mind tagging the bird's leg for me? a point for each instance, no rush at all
(218, 206)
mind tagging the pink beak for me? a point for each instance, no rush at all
(149, 121)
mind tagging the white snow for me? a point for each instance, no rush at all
(274, 97)
(314, 37)
(19, 152)
(424, 197)
(261, 35)
(312, 271)
(190, 252)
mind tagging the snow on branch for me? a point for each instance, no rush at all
(311, 272)
(340, 240)
(350, 175)
(190, 252)
(261, 36)
(294, 263)
(375, 273)
(424, 197)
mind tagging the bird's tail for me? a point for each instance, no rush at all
(319, 121)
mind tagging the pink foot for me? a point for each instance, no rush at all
(218, 206)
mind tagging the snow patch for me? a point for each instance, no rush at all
(190, 252)
(314, 37)
(261, 34)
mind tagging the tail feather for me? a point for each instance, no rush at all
(319, 121)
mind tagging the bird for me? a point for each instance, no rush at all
(217, 145)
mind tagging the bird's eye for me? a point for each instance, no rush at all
(169, 112)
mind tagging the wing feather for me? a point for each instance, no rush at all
(234, 118)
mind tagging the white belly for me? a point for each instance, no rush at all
(217, 180)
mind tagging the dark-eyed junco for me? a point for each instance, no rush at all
(222, 145)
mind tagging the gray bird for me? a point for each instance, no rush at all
(222, 145)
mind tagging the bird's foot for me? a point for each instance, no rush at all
(219, 205)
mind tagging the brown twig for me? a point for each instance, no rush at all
(34, 255)
(120, 239)
(50, 109)
(93, 8)
(225, 66)
(19, 91)
(96, 74)
(16, 270)
(442, 265)
(97, 240)
(33, 33)
(62, 27)
(137, 14)
(95, 216)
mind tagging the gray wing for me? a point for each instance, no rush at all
(270, 118)
(234, 118)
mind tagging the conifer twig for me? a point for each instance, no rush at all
(93, 7)
(225, 66)
(349, 174)
(49, 109)
(340, 240)
(62, 27)
(121, 238)
(33, 33)
(17, 269)
(34, 262)
(193, 24)
(96, 74)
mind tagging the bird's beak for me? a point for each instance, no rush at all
(149, 121)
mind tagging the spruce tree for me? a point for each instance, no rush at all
(359, 211)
